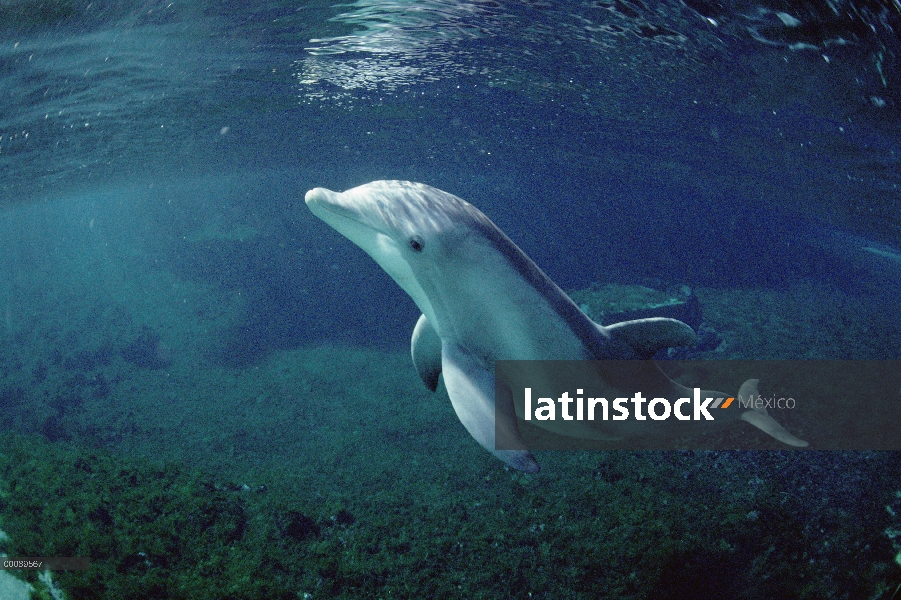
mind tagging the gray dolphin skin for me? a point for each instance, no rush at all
(482, 299)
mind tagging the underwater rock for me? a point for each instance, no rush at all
(11, 397)
(607, 472)
(102, 518)
(54, 430)
(88, 360)
(39, 373)
(101, 387)
(147, 351)
(298, 526)
(65, 402)
(708, 339)
(612, 303)
(344, 518)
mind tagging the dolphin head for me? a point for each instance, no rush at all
(411, 230)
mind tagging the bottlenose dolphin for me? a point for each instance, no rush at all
(482, 299)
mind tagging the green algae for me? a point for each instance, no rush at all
(373, 489)
(622, 525)
(150, 530)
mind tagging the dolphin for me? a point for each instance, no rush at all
(482, 300)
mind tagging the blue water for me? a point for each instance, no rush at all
(154, 157)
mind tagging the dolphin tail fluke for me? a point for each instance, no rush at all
(759, 418)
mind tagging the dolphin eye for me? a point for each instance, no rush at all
(416, 243)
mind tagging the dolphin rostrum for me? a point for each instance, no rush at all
(482, 299)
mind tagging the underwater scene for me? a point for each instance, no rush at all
(213, 271)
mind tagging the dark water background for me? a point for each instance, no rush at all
(690, 143)
(154, 158)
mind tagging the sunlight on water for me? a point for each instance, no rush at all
(393, 45)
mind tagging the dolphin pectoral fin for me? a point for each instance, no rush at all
(759, 418)
(647, 336)
(425, 346)
(471, 389)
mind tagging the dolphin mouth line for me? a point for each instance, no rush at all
(318, 201)
(314, 198)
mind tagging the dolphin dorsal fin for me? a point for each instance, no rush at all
(647, 336)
